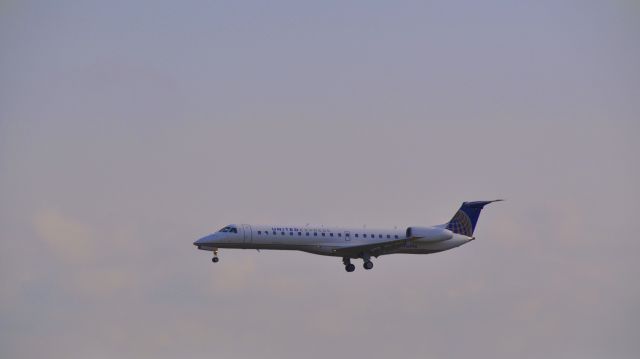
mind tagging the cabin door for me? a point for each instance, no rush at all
(246, 229)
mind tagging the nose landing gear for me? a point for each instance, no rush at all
(215, 258)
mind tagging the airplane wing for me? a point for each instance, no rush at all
(375, 248)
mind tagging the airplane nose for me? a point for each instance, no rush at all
(204, 240)
(199, 241)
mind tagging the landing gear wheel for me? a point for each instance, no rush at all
(215, 259)
(350, 267)
(368, 265)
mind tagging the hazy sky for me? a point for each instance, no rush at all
(129, 129)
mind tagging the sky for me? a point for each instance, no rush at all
(128, 129)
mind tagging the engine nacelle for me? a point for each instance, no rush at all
(429, 234)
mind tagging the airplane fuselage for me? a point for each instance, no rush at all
(349, 243)
(320, 240)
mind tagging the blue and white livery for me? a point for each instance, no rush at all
(350, 243)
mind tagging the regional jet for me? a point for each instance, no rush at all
(349, 243)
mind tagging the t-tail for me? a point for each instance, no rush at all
(465, 220)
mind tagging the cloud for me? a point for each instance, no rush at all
(75, 246)
(68, 239)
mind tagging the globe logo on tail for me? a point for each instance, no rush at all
(461, 224)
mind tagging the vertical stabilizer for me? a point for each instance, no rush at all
(465, 220)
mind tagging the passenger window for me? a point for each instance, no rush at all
(307, 234)
(282, 233)
(379, 235)
(315, 234)
(356, 235)
(274, 233)
(259, 233)
(396, 236)
(291, 233)
(323, 234)
(299, 233)
(364, 235)
(388, 236)
(347, 235)
(339, 234)
(330, 234)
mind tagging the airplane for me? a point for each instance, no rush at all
(349, 243)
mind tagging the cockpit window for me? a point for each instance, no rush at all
(231, 229)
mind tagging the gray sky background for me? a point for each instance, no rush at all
(129, 129)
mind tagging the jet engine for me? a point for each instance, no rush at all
(429, 234)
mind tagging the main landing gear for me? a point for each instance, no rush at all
(347, 264)
(349, 267)
(368, 264)
(215, 258)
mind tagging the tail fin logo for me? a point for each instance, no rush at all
(465, 220)
(461, 224)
